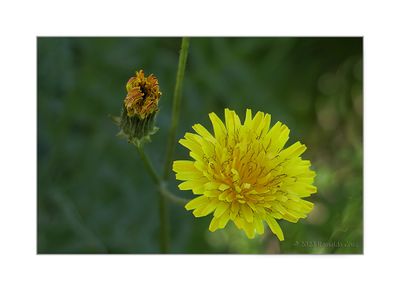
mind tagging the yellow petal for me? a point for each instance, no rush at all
(307, 205)
(198, 212)
(247, 212)
(283, 137)
(214, 224)
(259, 225)
(272, 137)
(192, 146)
(300, 206)
(218, 126)
(212, 193)
(199, 157)
(262, 128)
(193, 137)
(221, 208)
(294, 150)
(236, 120)
(301, 189)
(290, 217)
(257, 120)
(183, 176)
(196, 202)
(234, 210)
(191, 185)
(229, 120)
(183, 166)
(248, 119)
(239, 222)
(278, 207)
(201, 130)
(208, 148)
(249, 229)
(223, 220)
(199, 189)
(275, 228)
(210, 207)
(212, 185)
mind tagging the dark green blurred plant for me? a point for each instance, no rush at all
(93, 199)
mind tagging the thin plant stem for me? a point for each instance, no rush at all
(162, 186)
(148, 165)
(164, 224)
(164, 194)
(171, 197)
(176, 106)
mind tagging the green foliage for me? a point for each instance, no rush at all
(94, 195)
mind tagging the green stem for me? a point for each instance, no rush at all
(176, 105)
(164, 223)
(148, 165)
(163, 191)
(171, 197)
(164, 194)
(162, 186)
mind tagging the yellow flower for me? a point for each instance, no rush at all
(243, 173)
(143, 95)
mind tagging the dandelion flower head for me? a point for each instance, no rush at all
(243, 173)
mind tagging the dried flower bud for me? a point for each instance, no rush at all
(139, 108)
(143, 95)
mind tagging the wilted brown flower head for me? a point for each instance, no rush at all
(143, 95)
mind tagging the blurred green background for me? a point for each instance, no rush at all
(94, 195)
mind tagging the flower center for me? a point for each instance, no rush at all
(144, 90)
(249, 173)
